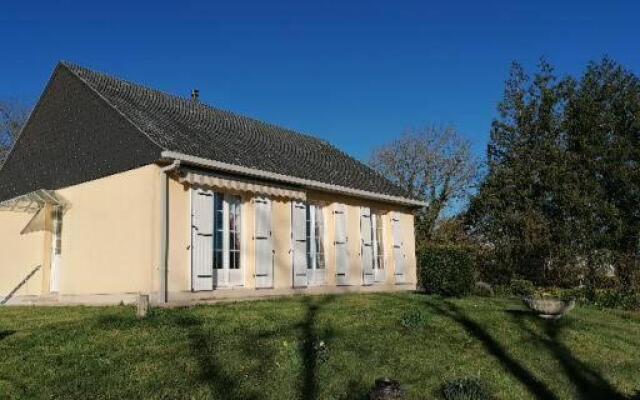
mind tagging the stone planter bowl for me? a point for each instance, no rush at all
(549, 307)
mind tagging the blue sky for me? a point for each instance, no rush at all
(354, 73)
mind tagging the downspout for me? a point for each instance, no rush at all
(164, 229)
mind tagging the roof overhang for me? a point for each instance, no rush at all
(34, 201)
(216, 180)
(292, 180)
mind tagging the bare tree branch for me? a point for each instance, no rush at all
(13, 116)
(434, 164)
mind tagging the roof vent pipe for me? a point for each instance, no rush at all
(195, 95)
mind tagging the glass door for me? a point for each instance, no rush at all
(56, 249)
(377, 233)
(315, 245)
(227, 265)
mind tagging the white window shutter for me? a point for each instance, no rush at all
(398, 249)
(264, 244)
(341, 248)
(205, 213)
(367, 245)
(299, 240)
(202, 240)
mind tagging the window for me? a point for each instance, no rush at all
(234, 232)
(57, 230)
(377, 235)
(315, 237)
(226, 209)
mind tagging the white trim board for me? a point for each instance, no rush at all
(309, 184)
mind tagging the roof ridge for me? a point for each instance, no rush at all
(73, 66)
(70, 68)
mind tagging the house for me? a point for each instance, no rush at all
(114, 190)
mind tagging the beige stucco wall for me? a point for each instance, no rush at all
(19, 254)
(179, 253)
(111, 239)
(408, 227)
(180, 239)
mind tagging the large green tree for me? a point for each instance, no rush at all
(561, 199)
(602, 125)
(514, 209)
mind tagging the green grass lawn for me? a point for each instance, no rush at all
(272, 350)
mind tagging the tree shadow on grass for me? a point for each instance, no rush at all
(5, 334)
(588, 383)
(534, 385)
(203, 344)
(204, 347)
(314, 345)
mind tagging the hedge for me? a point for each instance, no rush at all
(447, 270)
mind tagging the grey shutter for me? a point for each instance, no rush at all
(299, 239)
(342, 255)
(264, 244)
(398, 249)
(202, 240)
(367, 245)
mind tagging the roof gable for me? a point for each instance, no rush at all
(72, 136)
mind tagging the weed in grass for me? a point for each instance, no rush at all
(466, 389)
(387, 389)
(322, 352)
(413, 320)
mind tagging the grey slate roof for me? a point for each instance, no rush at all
(170, 123)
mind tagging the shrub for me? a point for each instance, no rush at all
(491, 269)
(413, 320)
(605, 282)
(483, 289)
(612, 298)
(577, 294)
(606, 298)
(465, 389)
(447, 270)
(521, 287)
